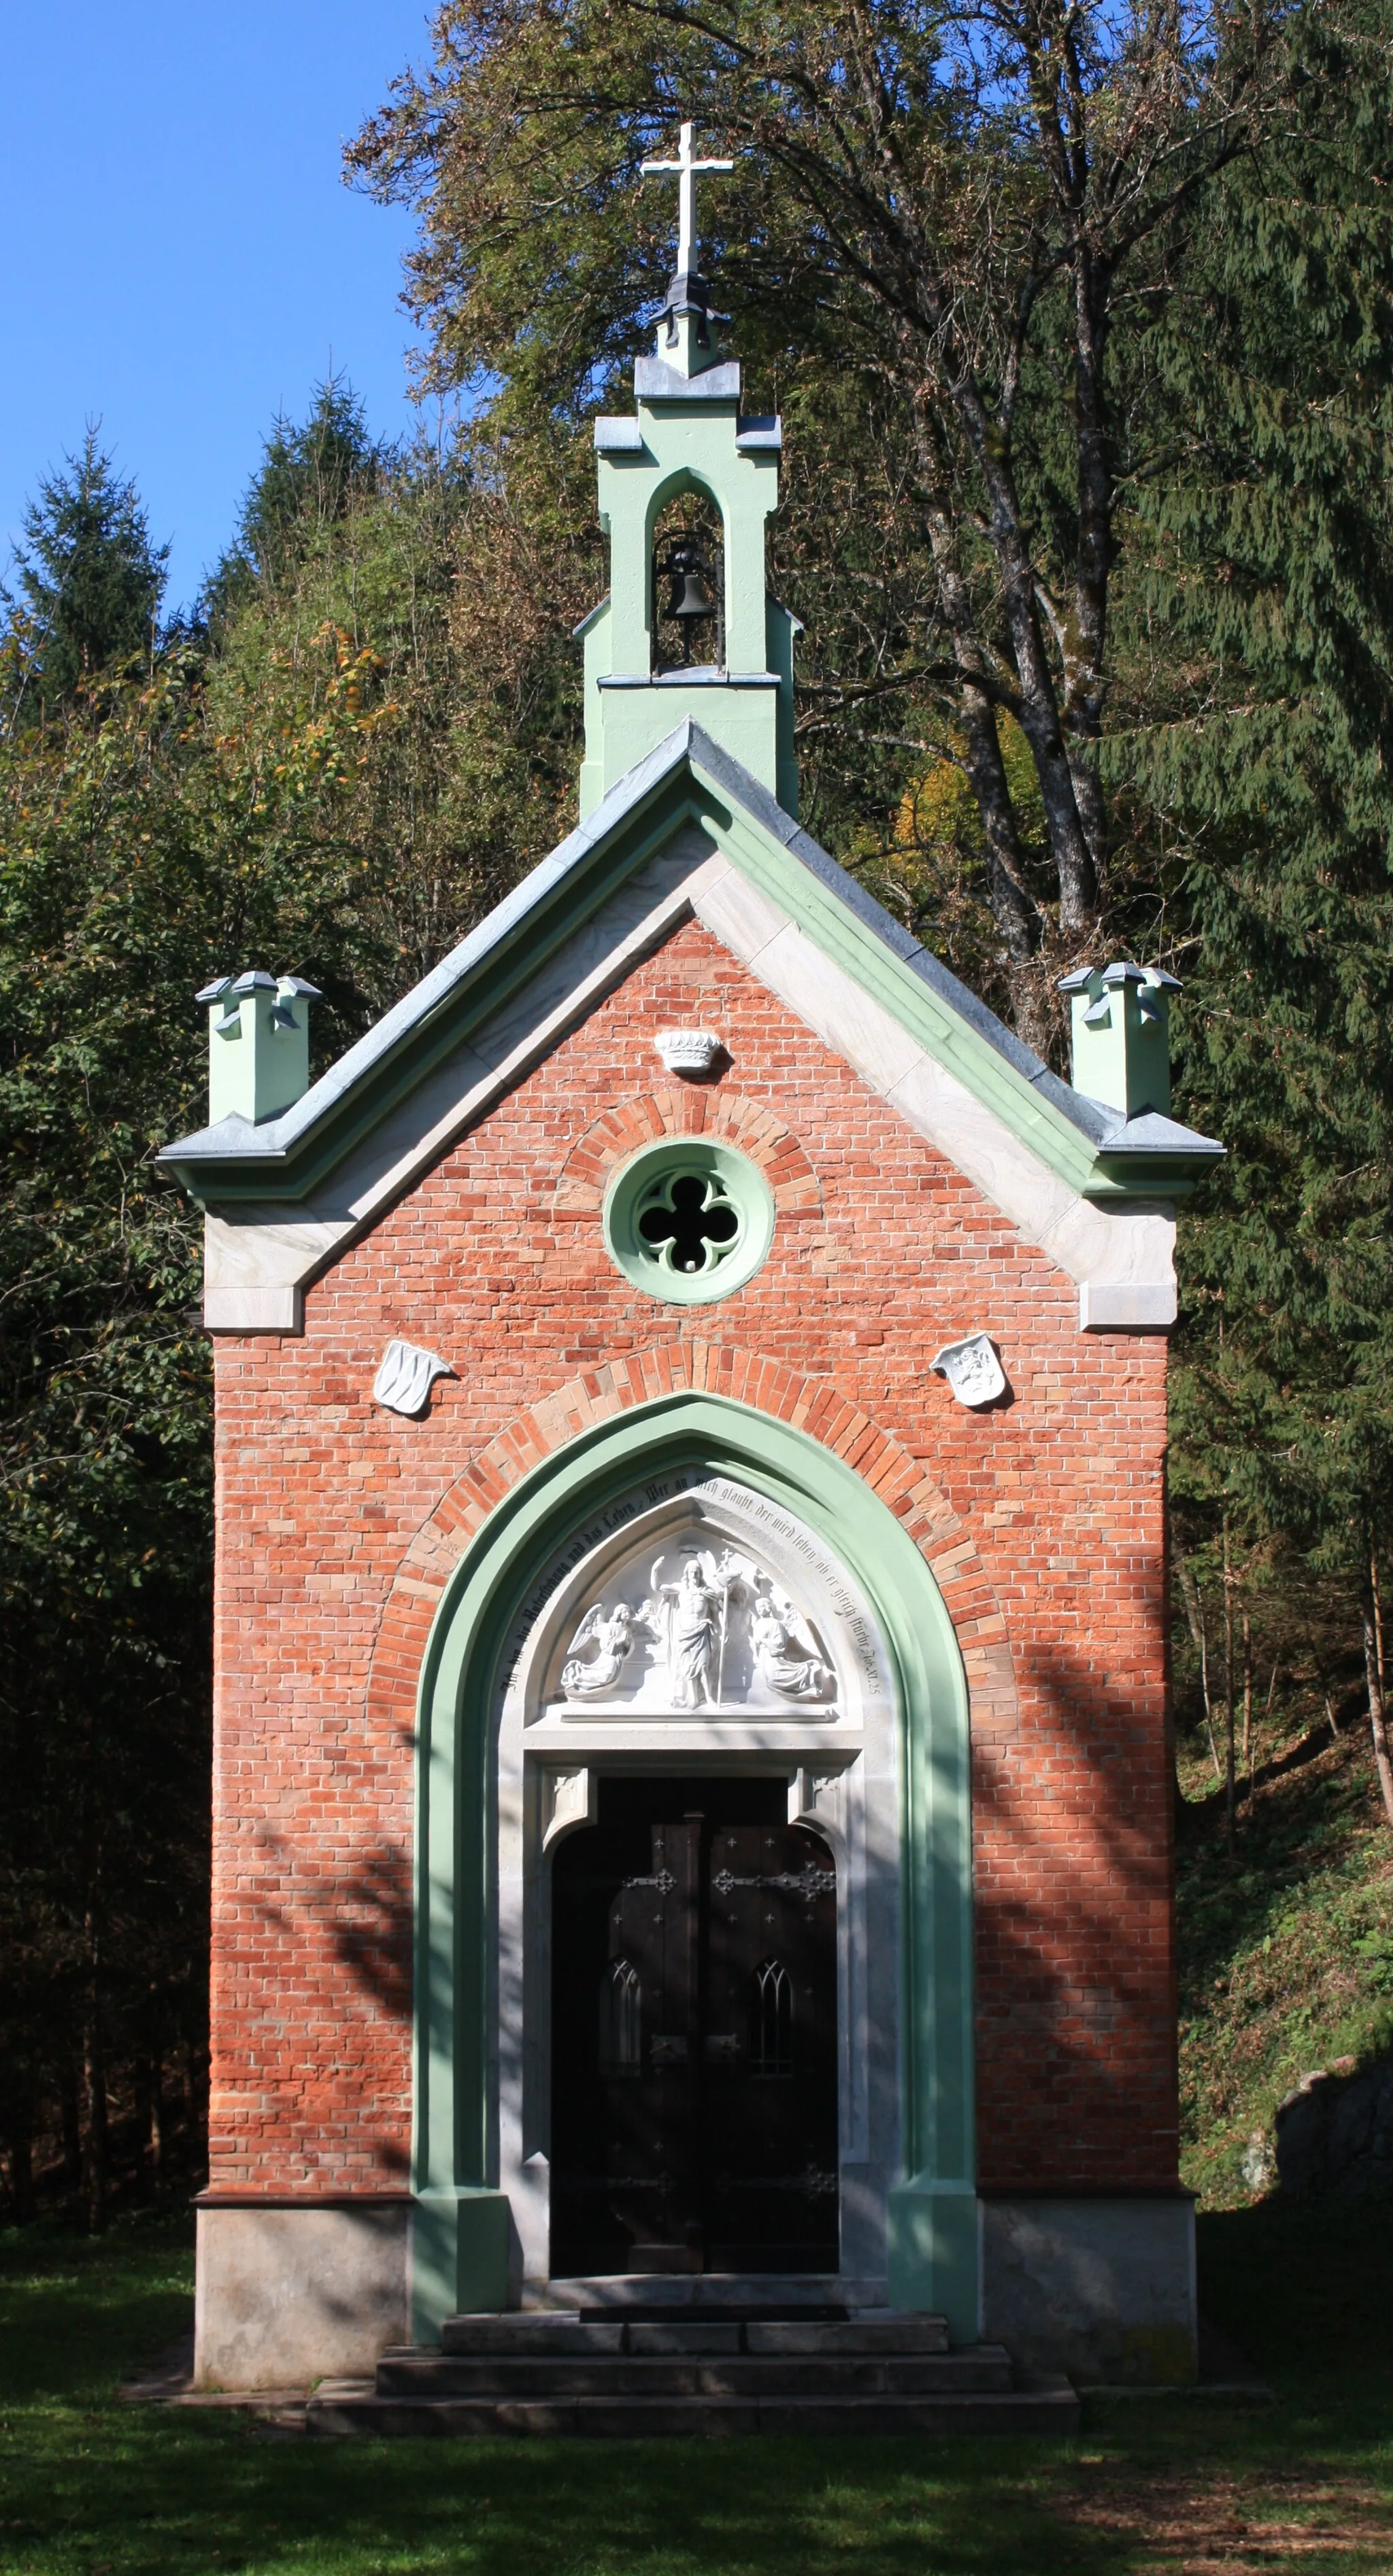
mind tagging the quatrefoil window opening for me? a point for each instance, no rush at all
(689, 1223)
(688, 1218)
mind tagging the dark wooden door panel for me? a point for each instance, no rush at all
(694, 2091)
(770, 2125)
(624, 2190)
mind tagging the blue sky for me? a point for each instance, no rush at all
(183, 257)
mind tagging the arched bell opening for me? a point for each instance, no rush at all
(689, 586)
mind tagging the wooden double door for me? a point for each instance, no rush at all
(694, 2035)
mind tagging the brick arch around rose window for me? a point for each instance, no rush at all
(687, 1109)
(435, 1664)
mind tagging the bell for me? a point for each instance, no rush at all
(689, 596)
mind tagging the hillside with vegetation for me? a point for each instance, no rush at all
(1087, 385)
(1286, 1955)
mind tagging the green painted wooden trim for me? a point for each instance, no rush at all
(455, 1809)
(459, 2257)
(935, 2252)
(506, 971)
(853, 944)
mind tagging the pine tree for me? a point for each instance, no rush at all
(91, 581)
(1263, 570)
(310, 476)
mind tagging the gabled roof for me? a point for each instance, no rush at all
(688, 778)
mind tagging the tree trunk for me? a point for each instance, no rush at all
(1230, 1760)
(1373, 1673)
(144, 2128)
(1038, 699)
(1032, 1014)
(1014, 909)
(1085, 644)
(94, 2140)
(94, 2122)
(1194, 1612)
(70, 2103)
(1248, 1702)
(157, 2155)
(21, 2149)
(1323, 1686)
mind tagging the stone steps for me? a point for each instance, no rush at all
(623, 2376)
(682, 2294)
(585, 2337)
(353, 2407)
(429, 2375)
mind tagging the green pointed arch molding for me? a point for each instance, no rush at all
(461, 2225)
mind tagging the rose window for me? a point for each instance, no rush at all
(688, 1219)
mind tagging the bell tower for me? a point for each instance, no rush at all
(733, 670)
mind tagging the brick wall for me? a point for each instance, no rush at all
(1042, 1519)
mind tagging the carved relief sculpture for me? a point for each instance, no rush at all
(600, 1649)
(690, 1618)
(972, 1369)
(406, 1376)
(784, 1657)
(701, 1631)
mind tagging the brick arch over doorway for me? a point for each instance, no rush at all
(808, 1404)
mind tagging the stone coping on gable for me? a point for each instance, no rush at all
(1066, 1130)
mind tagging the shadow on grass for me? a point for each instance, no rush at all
(1305, 2288)
(91, 2488)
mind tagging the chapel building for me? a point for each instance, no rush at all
(693, 1786)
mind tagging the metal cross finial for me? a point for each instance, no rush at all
(685, 168)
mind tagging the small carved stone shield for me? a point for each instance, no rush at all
(404, 1381)
(972, 1369)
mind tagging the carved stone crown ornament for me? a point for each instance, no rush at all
(688, 1050)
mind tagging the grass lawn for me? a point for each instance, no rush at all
(89, 2487)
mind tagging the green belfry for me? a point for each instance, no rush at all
(688, 437)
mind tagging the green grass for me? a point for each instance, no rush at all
(89, 2487)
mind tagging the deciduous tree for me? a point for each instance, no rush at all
(958, 202)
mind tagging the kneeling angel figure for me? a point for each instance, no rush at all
(609, 1636)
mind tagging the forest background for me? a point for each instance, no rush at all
(1080, 319)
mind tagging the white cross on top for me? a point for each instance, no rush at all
(685, 167)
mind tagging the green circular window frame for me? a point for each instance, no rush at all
(641, 1183)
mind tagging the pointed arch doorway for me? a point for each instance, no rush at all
(692, 1590)
(694, 2034)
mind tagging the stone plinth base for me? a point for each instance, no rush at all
(1104, 2289)
(293, 2292)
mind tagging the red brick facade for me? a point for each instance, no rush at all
(1042, 1519)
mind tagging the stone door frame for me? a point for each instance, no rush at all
(840, 1766)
